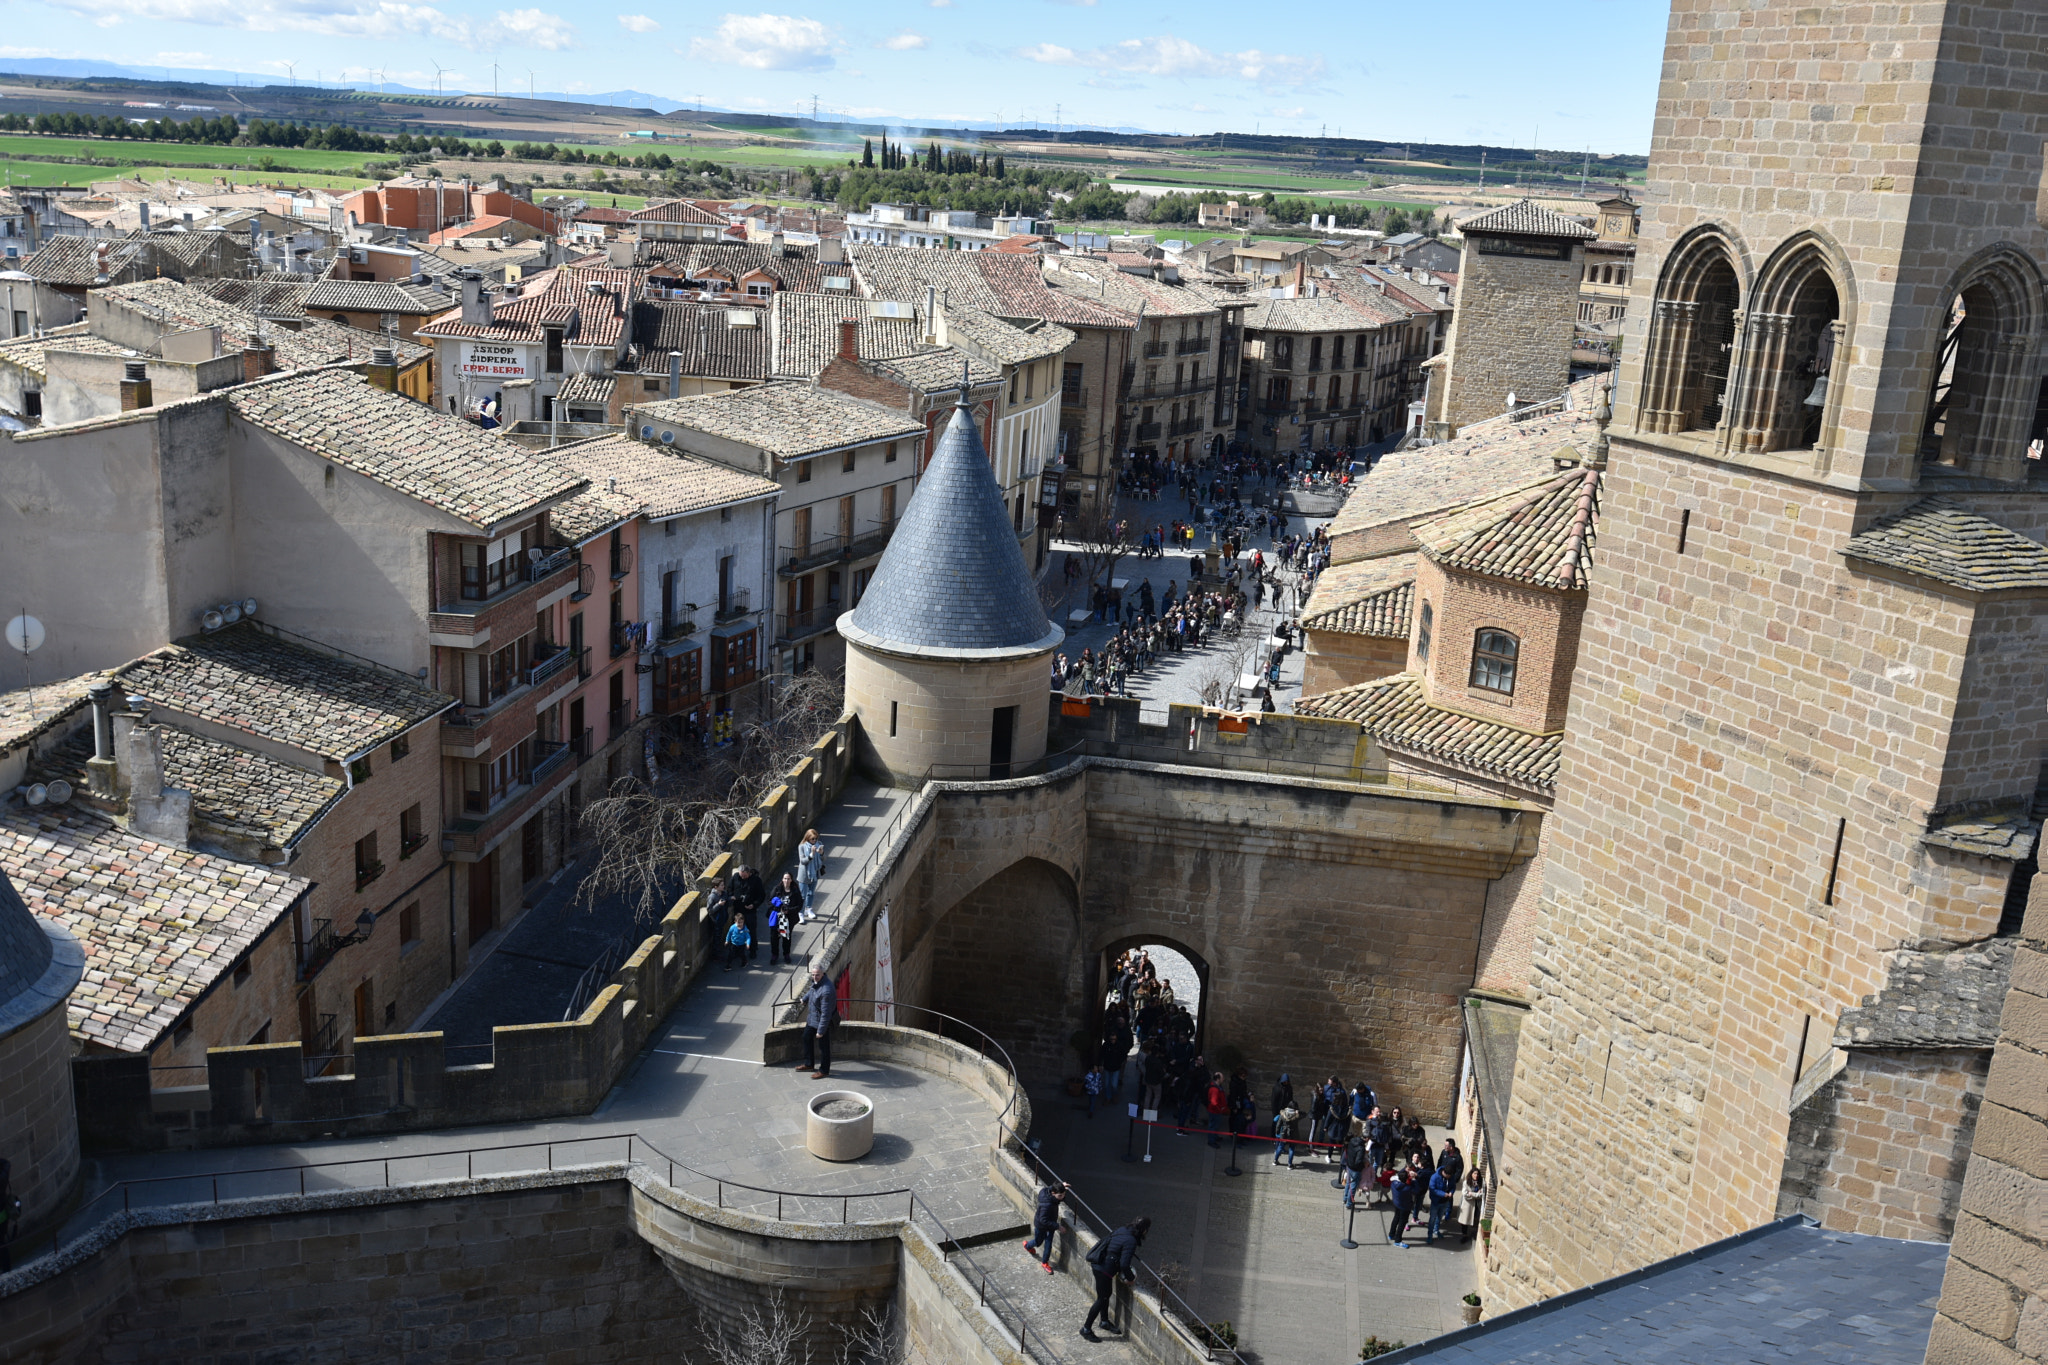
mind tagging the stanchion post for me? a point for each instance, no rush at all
(1350, 1222)
(1131, 1133)
(1231, 1169)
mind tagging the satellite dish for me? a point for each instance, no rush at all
(58, 792)
(212, 620)
(24, 634)
(231, 612)
(37, 794)
(248, 606)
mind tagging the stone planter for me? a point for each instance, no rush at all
(842, 1136)
(1471, 1311)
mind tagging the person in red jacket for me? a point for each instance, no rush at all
(1218, 1107)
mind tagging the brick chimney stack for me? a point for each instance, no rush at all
(135, 388)
(259, 358)
(849, 339)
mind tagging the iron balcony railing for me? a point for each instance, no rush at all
(1192, 345)
(801, 625)
(549, 666)
(549, 759)
(872, 540)
(1155, 349)
(736, 604)
(1074, 396)
(819, 549)
(619, 719)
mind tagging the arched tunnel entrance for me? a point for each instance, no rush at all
(1179, 980)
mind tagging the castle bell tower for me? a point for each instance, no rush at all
(1807, 720)
(948, 659)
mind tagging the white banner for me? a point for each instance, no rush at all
(885, 970)
(486, 360)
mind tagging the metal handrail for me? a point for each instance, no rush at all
(1286, 767)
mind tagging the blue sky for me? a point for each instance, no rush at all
(1498, 71)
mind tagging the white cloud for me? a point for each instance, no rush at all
(377, 19)
(638, 23)
(942, 4)
(27, 52)
(1170, 56)
(905, 41)
(768, 42)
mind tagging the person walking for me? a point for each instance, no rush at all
(1045, 1223)
(738, 942)
(1354, 1168)
(1113, 1256)
(1283, 1128)
(1218, 1108)
(810, 865)
(748, 895)
(1096, 1084)
(821, 1012)
(1472, 1201)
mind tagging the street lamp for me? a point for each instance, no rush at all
(365, 922)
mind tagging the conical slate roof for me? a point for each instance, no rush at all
(40, 961)
(953, 582)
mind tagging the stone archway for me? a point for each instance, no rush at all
(1006, 958)
(1105, 961)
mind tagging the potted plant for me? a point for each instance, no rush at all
(1374, 1348)
(1470, 1305)
(1486, 1234)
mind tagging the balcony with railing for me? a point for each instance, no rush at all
(1147, 431)
(624, 638)
(872, 540)
(1194, 345)
(737, 603)
(809, 554)
(618, 720)
(549, 665)
(319, 948)
(1171, 388)
(790, 627)
(1187, 426)
(677, 627)
(471, 616)
(1155, 349)
(549, 759)
(1074, 396)
(583, 744)
(621, 561)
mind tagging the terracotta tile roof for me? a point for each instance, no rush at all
(160, 924)
(1327, 312)
(1542, 535)
(248, 679)
(26, 712)
(237, 793)
(677, 211)
(1004, 342)
(587, 390)
(793, 266)
(804, 331)
(1937, 539)
(378, 296)
(1394, 711)
(1018, 283)
(938, 369)
(1003, 286)
(591, 513)
(1496, 458)
(1366, 597)
(1097, 282)
(313, 341)
(75, 260)
(565, 299)
(475, 227)
(30, 353)
(431, 456)
(661, 483)
(712, 347)
(788, 420)
(604, 215)
(271, 296)
(1527, 218)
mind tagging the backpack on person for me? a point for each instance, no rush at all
(1354, 1153)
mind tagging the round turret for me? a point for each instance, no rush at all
(40, 964)
(948, 655)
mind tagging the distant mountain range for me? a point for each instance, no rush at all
(81, 67)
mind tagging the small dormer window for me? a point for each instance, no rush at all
(1493, 661)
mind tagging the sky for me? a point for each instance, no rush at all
(1497, 71)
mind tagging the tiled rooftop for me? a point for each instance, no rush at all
(237, 793)
(1542, 535)
(28, 711)
(674, 211)
(75, 261)
(661, 483)
(1937, 539)
(586, 390)
(432, 456)
(1394, 711)
(1099, 282)
(1007, 343)
(1493, 460)
(272, 295)
(565, 299)
(378, 296)
(159, 924)
(788, 420)
(314, 341)
(247, 679)
(1788, 1292)
(804, 331)
(1529, 219)
(996, 283)
(1365, 597)
(593, 512)
(792, 266)
(29, 353)
(712, 347)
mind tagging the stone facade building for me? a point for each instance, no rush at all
(1518, 299)
(1809, 721)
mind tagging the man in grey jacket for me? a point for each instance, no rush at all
(821, 1012)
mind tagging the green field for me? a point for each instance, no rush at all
(16, 172)
(177, 153)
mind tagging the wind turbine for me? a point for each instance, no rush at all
(494, 78)
(529, 82)
(291, 69)
(439, 71)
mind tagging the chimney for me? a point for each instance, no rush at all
(675, 374)
(383, 369)
(144, 206)
(476, 304)
(1300, 276)
(259, 358)
(135, 392)
(620, 254)
(831, 251)
(849, 339)
(102, 773)
(775, 244)
(931, 315)
(155, 811)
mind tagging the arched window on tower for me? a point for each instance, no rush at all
(1784, 379)
(1983, 396)
(1493, 661)
(1692, 336)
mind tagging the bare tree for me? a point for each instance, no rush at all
(654, 837)
(781, 1335)
(1097, 539)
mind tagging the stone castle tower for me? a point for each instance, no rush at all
(40, 965)
(1809, 713)
(948, 658)
(1518, 297)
